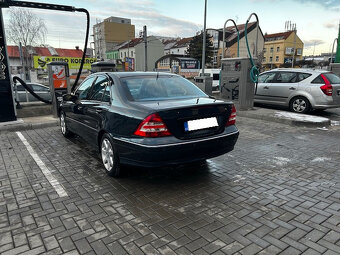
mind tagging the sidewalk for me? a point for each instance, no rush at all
(284, 117)
(29, 123)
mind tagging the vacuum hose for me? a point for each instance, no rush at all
(85, 45)
(254, 72)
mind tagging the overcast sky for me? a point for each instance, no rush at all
(317, 21)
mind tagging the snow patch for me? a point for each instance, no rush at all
(323, 128)
(335, 123)
(281, 161)
(321, 159)
(300, 117)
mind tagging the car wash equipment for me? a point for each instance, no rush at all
(254, 72)
(238, 37)
(7, 107)
(59, 81)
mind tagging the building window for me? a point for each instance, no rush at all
(271, 49)
(177, 50)
(125, 54)
(121, 55)
(132, 54)
(264, 50)
(264, 59)
(277, 49)
(277, 58)
(271, 59)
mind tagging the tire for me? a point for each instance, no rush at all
(300, 105)
(63, 126)
(109, 156)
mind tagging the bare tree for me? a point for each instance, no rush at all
(26, 28)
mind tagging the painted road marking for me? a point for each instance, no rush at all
(54, 182)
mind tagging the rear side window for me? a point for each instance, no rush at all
(266, 78)
(39, 88)
(286, 77)
(303, 76)
(333, 78)
(98, 88)
(318, 80)
(84, 88)
(20, 88)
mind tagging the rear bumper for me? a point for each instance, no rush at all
(166, 151)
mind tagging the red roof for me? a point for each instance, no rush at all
(278, 36)
(184, 42)
(13, 52)
(132, 43)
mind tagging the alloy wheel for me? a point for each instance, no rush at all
(107, 154)
(299, 105)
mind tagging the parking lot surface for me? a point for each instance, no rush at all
(278, 192)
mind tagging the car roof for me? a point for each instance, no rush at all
(301, 70)
(133, 74)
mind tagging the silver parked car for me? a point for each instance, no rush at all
(41, 90)
(299, 89)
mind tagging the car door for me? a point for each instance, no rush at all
(264, 82)
(284, 84)
(42, 91)
(22, 93)
(75, 109)
(96, 107)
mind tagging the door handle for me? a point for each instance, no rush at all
(292, 88)
(265, 87)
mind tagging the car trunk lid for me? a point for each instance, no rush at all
(205, 116)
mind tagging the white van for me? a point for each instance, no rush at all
(215, 74)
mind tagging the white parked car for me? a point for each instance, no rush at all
(299, 89)
(215, 74)
(41, 90)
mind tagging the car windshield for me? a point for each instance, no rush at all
(148, 88)
(333, 78)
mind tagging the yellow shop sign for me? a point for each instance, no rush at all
(40, 62)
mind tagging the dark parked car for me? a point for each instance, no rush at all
(148, 119)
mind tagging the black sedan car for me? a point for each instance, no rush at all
(148, 119)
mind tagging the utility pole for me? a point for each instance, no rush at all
(23, 70)
(204, 36)
(294, 49)
(146, 48)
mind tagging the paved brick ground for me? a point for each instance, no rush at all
(277, 192)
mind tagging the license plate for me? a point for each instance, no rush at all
(192, 125)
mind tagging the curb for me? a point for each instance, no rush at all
(248, 114)
(29, 126)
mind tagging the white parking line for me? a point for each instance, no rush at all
(54, 182)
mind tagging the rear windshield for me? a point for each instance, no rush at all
(333, 78)
(147, 88)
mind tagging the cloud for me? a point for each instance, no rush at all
(310, 43)
(332, 24)
(329, 4)
(68, 29)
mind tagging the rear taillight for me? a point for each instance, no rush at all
(327, 89)
(152, 126)
(232, 117)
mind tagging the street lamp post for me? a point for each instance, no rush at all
(204, 37)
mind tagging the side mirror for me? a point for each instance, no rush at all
(70, 97)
